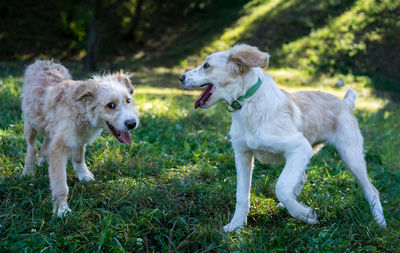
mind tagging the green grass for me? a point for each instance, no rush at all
(173, 189)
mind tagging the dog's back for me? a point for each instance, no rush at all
(44, 73)
(323, 114)
(38, 77)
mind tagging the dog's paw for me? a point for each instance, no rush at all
(63, 210)
(379, 218)
(233, 226)
(311, 217)
(28, 172)
(86, 176)
(382, 223)
(41, 161)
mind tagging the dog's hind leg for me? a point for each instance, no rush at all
(58, 155)
(78, 161)
(291, 182)
(297, 189)
(30, 136)
(350, 149)
(43, 152)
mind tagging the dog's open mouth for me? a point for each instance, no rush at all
(205, 95)
(121, 136)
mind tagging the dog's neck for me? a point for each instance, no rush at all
(251, 78)
(268, 94)
(267, 99)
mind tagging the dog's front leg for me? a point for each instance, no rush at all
(244, 167)
(58, 155)
(78, 161)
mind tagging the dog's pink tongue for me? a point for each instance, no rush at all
(124, 137)
(203, 97)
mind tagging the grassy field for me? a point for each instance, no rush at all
(174, 188)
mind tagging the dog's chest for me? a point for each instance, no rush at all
(83, 136)
(267, 157)
(243, 139)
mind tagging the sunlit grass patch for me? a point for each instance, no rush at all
(253, 11)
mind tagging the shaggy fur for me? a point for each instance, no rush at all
(274, 125)
(71, 114)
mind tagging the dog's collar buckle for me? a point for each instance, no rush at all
(234, 106)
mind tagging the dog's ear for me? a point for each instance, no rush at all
(84, 90)
(248, 56)
(125, 79)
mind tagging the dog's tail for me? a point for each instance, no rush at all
(350, 97)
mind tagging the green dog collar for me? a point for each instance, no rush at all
(236, 105)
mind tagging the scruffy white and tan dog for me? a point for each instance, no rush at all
(71, 114)
(273, 125)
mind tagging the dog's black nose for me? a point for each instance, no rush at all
(130, 124)
(182, 78)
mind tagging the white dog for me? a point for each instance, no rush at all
(71, 114)
(271, 125)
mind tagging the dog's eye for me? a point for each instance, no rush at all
(128, 100)
(111, 105)
(206, 65)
